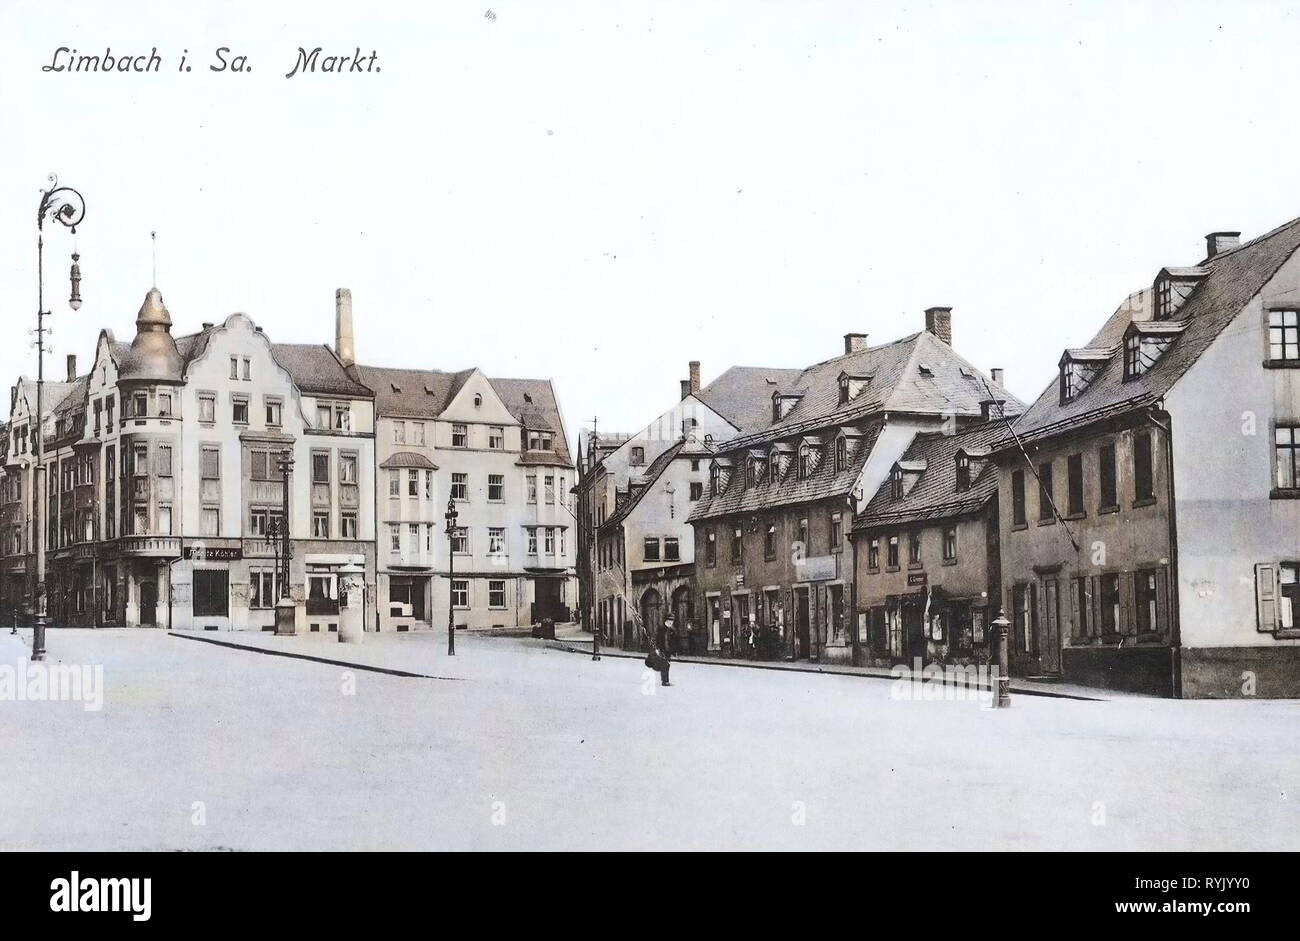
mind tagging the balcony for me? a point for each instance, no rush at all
(157, 547)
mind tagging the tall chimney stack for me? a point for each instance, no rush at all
(344, 341)
(996, 374)
(855, 342)
(695, 376)
(72, 367)
(1217, 242)
(938, 320)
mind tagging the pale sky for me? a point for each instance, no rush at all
(598, 192)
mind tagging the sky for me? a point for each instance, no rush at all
(599, 192)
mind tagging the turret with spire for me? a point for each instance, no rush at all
(153, 356)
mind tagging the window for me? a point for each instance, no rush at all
(1080, 603)
(963, 473)
(1145, 604)
(1134, 365)
(695, 463)
(417, 433)
(496, 438)
(950, 543)
(413, 538)
(769, 542)
(711, 548)
(320, 525)
(1069, 381)
(247, 368)
(540, 441)
(211, 593)
(672, 553)
(320, 467)
(532, 488)
(234, 367)
(896, 483)
(1283, 335)
(891, 555)
(1046, 497)
(638, 456)
(715, 477)
(261, 588)
(532, 540)
(1143, 482)
(1286, 447)
(1109, 604)
(394, 483)
(548, 544)
(914, 548)
(841, 454)
(165, 519)
(459, 436)
(460, 541)
(399, 432)
(348, 525)
(412, 482)
(697, 490)
(837, 531)
(561, 535)
(805, 461)
(428, 485)
(99, 415)
(347, 468)
(209, 521)
(459, 593)
(1288, 595)
(165, 404)
(496, 541)
(1018, 498)
(550, 488)
(873, 553)
(239, 409)
(1074, 483)
(342, 417)
(1025, 617)
(207, 410)
(496, 594)
(651, 550)
(496, 487)
(802, 535)
(737, 544)
(1106, 477)
(751, 472)
(460, 486)
(394, 537)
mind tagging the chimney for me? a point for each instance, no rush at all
(343, 339)
(996, 375)
(686, 388)
(938, 320)
(1218, 242)
(855, 342)
(208, 325)
(695, 376)
(72, 367)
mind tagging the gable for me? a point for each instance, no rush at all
(477, 401)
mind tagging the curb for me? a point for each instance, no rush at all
(622, 654)
(390, 671)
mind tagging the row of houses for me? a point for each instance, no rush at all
(1137, 524)
(165, 487)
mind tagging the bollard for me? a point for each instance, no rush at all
(998, 640)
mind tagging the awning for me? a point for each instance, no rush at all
(408, 459)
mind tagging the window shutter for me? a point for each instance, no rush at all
(1094, 603)
(1035, 618)
(1266, 597)
(1076, 626)
(1127, 623)
(1162, 601)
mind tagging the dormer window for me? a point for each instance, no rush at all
(805, 461)
(896, 483)
(852, 386)
(715, 477)
(751, 472)
(963, 473)
(841, 454)
(1134, 365)
(1145, 342)
(1173, 286)
(1069, 381)
(782, 404)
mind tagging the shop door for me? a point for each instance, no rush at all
(913, 632)
(148, 604)
(803, 621)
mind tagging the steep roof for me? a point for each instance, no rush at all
(935, 494)
(919, 373)
(1235, 277)
(414, 393)
(645, 482)
(315, 370)
(743, 395)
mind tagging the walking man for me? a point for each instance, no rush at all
(664, 640)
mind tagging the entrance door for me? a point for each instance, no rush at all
(546, 591)
(803, 621)
(1050, 662)
(913, 632)
(651, 615)
(148, 604)
(715, 623)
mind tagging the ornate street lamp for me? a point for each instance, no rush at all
(451, 572)
(66, 206)
(284, 608)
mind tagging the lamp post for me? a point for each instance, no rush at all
(64, 205)
(284, 608)
(451, 573)
(998, 637)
